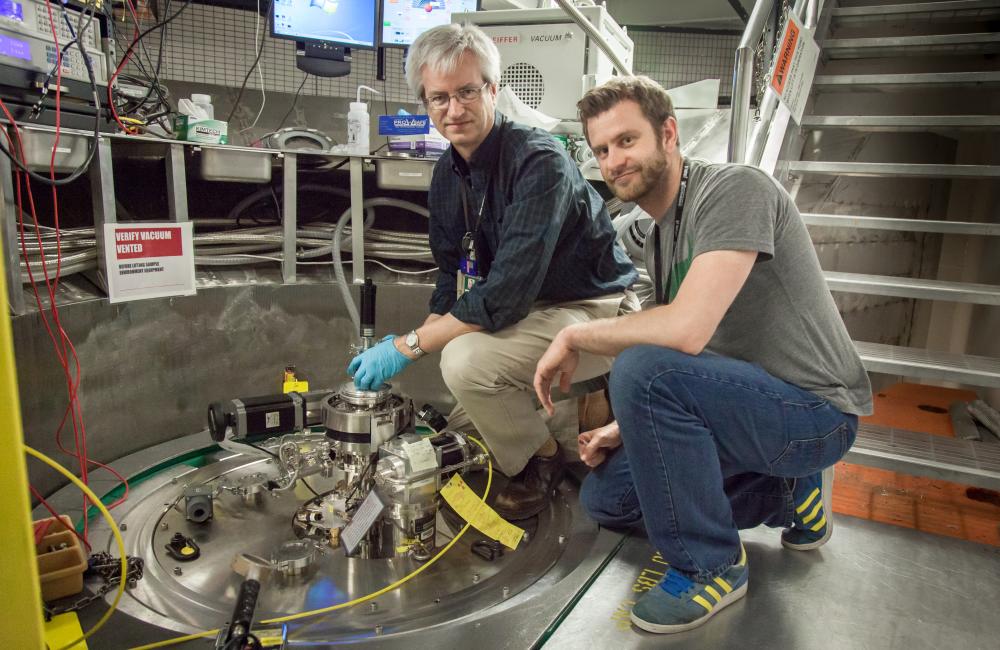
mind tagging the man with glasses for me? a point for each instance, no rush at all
(524, 247)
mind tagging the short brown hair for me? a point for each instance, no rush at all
(649, 95)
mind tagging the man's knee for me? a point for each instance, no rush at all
(635, 367)
(461, 359)
(608, 507)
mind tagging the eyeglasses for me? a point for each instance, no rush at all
(440, 101)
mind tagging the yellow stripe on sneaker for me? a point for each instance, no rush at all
(819, 524)
(812, 515)
(743, 556)
(713, 593)
(725, 585)
(809, 499)
(704, 603)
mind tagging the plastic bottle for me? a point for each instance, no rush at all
(358, 125)
(205, 102)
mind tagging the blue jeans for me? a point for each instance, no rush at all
(708, 445)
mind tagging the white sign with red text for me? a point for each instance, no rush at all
(794, 67)
(151, 260)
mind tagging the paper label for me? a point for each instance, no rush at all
(149, 261)
(421, 454)
(794, 67)
(484, 518)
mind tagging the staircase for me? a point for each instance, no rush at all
(896, 170)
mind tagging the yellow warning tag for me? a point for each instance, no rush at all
(484, 518)
(295, 386)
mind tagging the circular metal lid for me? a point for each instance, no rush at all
(295, 555)
(358, 397)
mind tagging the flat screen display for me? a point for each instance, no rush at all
(404, 20)
(340, 22)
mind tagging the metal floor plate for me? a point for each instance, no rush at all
(872, 586)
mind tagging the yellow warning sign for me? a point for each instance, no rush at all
(484, 518)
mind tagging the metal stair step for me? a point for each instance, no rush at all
(907, 81)
(889, 46)
(928, 364)
(899, 170)
(950, 10)
(888, 285)
(903, 123)
(922, 454)
(908, 225)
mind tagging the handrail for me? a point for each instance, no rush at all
(593, 33)
(743, 80)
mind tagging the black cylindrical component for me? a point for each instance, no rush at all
(219, 418)
(368, 308)
(246, 603)
(433, 418)
(258, 417)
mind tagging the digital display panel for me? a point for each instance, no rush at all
(340, 22)
(11, 10)
(404, 20)
(15, 47)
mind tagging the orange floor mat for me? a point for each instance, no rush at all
(928, 505)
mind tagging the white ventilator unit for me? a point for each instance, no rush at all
(546, 58)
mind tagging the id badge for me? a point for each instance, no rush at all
(467, 276)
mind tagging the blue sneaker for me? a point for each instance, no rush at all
(678, 603)
(810, 528)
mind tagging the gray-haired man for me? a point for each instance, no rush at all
(524, 246)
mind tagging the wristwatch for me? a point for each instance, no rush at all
(412, 341)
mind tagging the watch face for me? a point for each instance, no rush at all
(411, 339)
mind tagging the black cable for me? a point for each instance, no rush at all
(92, 149)
(260, 50)
(295, 100)
(138, 60)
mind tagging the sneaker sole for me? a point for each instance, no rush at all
(811, 546)
(726, 601)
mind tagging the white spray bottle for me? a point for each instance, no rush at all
(358, 125)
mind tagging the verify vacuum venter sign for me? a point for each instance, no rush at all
(149, 261)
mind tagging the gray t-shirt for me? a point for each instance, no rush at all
(784, 319)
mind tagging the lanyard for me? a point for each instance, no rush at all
(657, 254)
(472, 232)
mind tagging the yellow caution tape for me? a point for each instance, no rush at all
(485, 519)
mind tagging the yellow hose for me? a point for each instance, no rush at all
(350, 603)
(96, 500)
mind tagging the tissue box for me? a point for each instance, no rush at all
(194, 129)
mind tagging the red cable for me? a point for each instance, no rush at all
(79, 436)
(52, 512)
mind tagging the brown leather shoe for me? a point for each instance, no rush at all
(528, 493)
(594, 410)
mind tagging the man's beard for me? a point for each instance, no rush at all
(650, 171)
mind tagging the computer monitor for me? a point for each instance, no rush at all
(404, 20)
(336, 23)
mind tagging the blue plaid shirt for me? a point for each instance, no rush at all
(545, 233)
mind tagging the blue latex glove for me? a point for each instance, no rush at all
(377, 365)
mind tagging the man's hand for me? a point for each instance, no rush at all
(595, 444)
(560, 359)
(377, 365)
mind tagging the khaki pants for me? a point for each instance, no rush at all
(491, 376)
